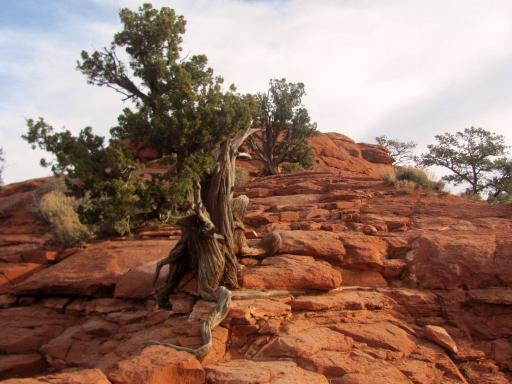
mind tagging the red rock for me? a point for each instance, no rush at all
(137, 283)
(293, 273)
(25, 329)
(344, 299)
(381, 334)
(21, 365)
(361, 278)
(158, 365)
(261, 372)
(305, 343)
(86, 376)
(13, 273)
(377, 375)
(249, 311)
(363, 251)
(497, 295)
(444, 261)
(95, 269)
(375, 154)
(439, 336)
(319, 244)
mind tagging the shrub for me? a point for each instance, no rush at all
(405, 187)
(59, 211)
(293, 167)
(241, 177)
(407, 179)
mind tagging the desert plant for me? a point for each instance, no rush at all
(285, 126)
(405, 187)
(408, 179)
(241, 177)
(470, 155)
(400, 151)
(292, 167)
(59, 211)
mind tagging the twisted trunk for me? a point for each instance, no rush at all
(212, 237)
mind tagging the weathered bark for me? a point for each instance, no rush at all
(212, 237)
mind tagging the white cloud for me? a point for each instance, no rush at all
(406, 68)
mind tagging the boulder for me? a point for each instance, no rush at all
(96, 269)
(439, 336)
(292, 273)
(319, 244)
(21, 365)
(261, 372)
(158, 365)
(85, 376)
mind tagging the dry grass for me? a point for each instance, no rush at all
(241, 177)
(408, 179)
(59, 211)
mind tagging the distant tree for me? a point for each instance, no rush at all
(501, 184)
(2, 160)
(469, 155)
(401, 151)
(285, 126)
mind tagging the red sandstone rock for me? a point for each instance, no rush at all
(158, 365)
(21, 365)
(95, 269)
(363, 251)
(261, 372)
(439, 336)
(319, 244)
(293, 273)
(12, 273)
(86, 376)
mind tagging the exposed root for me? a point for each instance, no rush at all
(222, 296)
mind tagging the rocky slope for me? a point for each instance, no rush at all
(369, 287)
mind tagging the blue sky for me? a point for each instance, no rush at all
(405, 68)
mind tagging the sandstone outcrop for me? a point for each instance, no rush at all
(368, 287)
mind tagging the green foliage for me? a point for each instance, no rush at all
(408, 179)
(179, 109)
(500, 189)
(292, 167)
(400, 151)
(59, 211)
(241, 177)
(285, 125)
(470, 156)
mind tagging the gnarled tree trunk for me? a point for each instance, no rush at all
(212, 238)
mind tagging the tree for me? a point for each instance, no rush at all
(2, 160)
(501, 183)
(181, 110)
(285, 125)
(470, 155)
(400, 151)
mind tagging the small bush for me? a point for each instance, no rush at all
(405, 187)
(241, 177)
(389, 178)
(408, 179)
(59, 210)
(293, 167)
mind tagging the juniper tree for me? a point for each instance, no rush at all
(180, 109)
(285, 126)
(400, 151)
(469, 155)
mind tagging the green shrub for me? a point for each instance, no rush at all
(241, 177)
(293, 167)
(407, 179)
(59, 211)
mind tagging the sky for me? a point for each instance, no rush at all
(408, 69)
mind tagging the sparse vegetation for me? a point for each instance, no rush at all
(292, 167)
(408, 179)
(472, 156)
(241, 177)
(285, 126)
(59, 211)
(401, 151)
